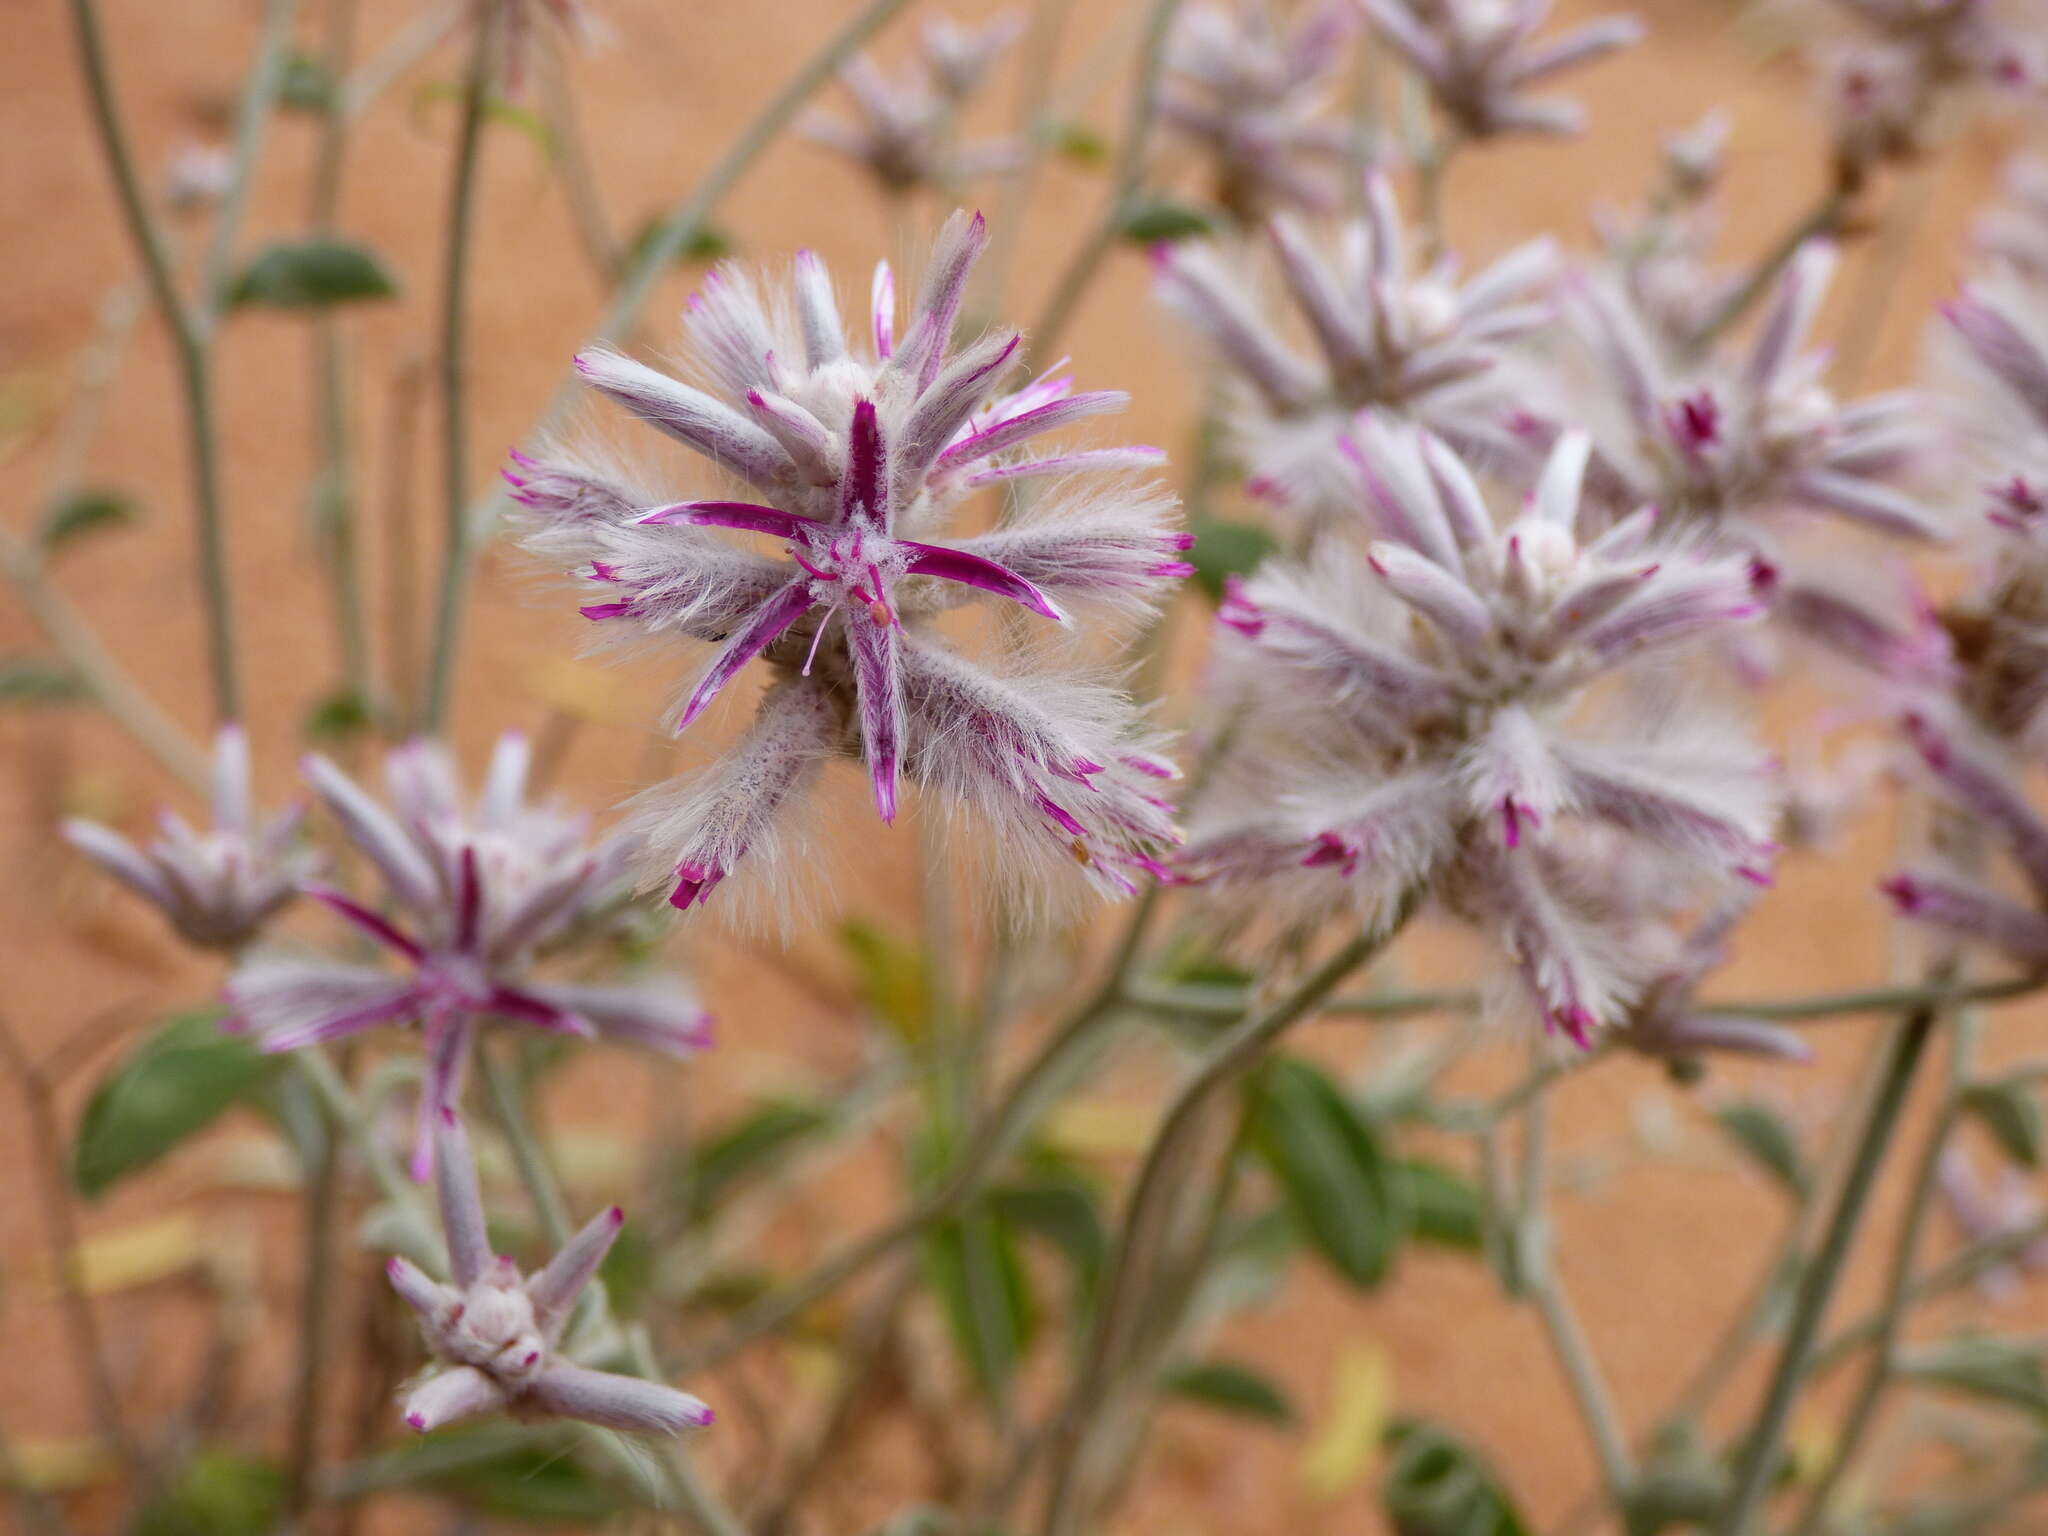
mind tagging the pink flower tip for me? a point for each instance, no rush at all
(516, 482)
(1756, 876)
(418, 1421)
(1904, 891)
(618, 1215)
(523, 460)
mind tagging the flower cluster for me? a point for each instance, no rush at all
(905, 129)
(1479, 59)
(497, 1335)
(1389, 332)
(1254, 96)
(220, 887)
(1417, 719)
(857, 455)
(478, 895)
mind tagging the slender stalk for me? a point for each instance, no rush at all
(1229, 1002)
(421, 1237)
(252, 123)
(1040, 57)
(1824, 218)
(451, 361)
(1589, 1388)
(993, 1141)
(420, 37)
(1886, 1000)
(1228, 1059)
(193, 364)
(401, 533)
(316, 1301)
(130, 706)
(502, 1084)
(1128, 183)
(60, 1220)
(580, 186)
(1910, 1038)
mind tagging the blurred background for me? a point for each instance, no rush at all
(194, 1265)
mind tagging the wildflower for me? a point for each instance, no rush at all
(1478, 58)
(218, 888)
(858, 456)
(1729, 443)
(1388, 335)
(906, 127)
(1419, 720)
(1254, 97)
(497, 1334)
(1979, 778)
(478, 896)
(1669, 1021)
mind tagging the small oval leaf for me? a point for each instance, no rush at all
(1231, 1388)
(175, 1083)
(1345, 1193)
(1766, 1136)
(2011, 1113)
(312, 274)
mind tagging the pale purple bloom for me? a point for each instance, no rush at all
(496, 1334)
(1418, 717)
(218, 887)
(854, 458)
(1387, 332)
(1480, 58)
(1254, 95)
(476, 894)
(906, 127)
(1731, 442)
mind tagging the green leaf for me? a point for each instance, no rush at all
(1343, 1190)
(1230, 1387)
(1995, 1369)
(1077, 142)
(311, 274)
(972, 1265)
(1162, 219)
(340, 717)
(85, 511)
(1226, 549)
(708, 243)
(892, 977)
(2012, 1114)
(1767, 1137)
(172, 1085)
(36, 682)
(747, 1148)
(1444, 1206)
(307, 85)
(219, 1492)
(500, 1473)
(1439, 1486)
(1062, 1209)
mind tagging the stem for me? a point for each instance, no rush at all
(993, 1141)
(452, 359)
(1589, 1389)
(421, 1235)
(1885, 1000)
(315, 1302)
(1040, 57)
(1233, 1054)
(1825, 217)
(1130, 179)
(130, 706)
(502, 1084)
(192, 361)
(580, 187)
(1229, 1002)
(252, 122)
(401, 541)
(1907, 1046)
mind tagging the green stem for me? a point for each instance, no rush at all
(1589, 1388)
(252, 123)
(1885, 1000)
(580, 188)
(1229, 1002)
(193, 368)
(509, 1105)
(421, 1237)
(1129, 182)
(1233, 1054)
(1754, 1474)
(1824, 218)
(452, 360)
(323, 1190)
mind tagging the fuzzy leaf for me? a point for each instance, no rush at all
(1233, 1388)
(1163, 219)
(85, 511)
(175, 1083)
(1344, 1191)
(2012, 1114)
(1766, 1136)
(312, 274)
(1444, 1207)
(1226, 549)
(1995, 1369)
(1439, 1486)
(31, 682)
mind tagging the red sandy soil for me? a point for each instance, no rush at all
(1657, 1246)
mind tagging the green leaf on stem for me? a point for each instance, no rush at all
(1162, 219)
(2012, 1114)
(1444, 1207)
(218, 1492)
(973, 1267)
(1061, 1208)
(38, 682)
(1440, 1486)
(1231, 1388)
(172, 1085)
(307, 84)
(709, 243)
(87, 510)
(1767, 1137)
(500, 1472)
(1997, 1370)
(748, 1148)
(312, 274)
(1344, 1191)
(340, 717)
